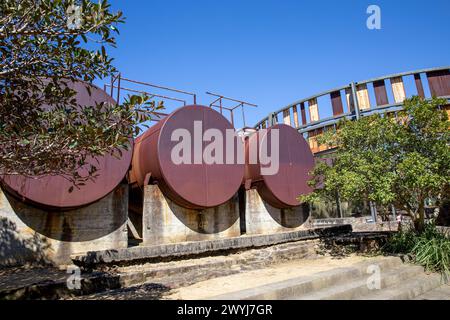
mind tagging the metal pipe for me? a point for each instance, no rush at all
(243, 114)
(118, 88)
(355, 100)
(270, 120)
(222, 107)
(373, 211)
(112, 85)
(338, 205)
(162, 87)
(394, 213)
(151, 94)
(212, 103)
(231, 99)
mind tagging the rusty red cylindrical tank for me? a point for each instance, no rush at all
(190, 184)
(282, 188)
(55, 191)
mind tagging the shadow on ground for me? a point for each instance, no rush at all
(150, 291)
(18, 250)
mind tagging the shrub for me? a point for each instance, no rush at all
(430, 249)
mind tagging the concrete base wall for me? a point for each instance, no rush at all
(359, 224)
(261, 218)
(165, 222)
(31, 235)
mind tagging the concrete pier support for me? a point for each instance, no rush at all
(261, 218)
(165, 222)
(29, 234)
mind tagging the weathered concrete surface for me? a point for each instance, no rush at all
(397, 280)
(166, 222)
(33, 235)
(49, 283)
(441, 293)
(261, 218)
(282, 281)
(201, 247)
(358, 224)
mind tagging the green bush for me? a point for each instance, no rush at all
(401, 242)
(431, 248)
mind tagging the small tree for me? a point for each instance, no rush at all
(391, 161)
(44, 45)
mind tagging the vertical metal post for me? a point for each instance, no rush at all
(195, 99)
(220, 101)
(338, 205)
(373, 211)
(232, 119)
(271, 121)
(243, 114)
(394, 213)
(355, 100)
(112, 85)
(118, 88)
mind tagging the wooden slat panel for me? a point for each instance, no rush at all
(398, 89)
(295, 114)
(303, 112)
(287, 117)
(336, 103)
(312, 140)
(380, 92)
(363, 97)
(447, 109)
(439, 82)
(313, 110)
(349, 98)
(419, 85)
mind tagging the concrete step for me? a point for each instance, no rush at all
(409, 289)
(305, 285)
(186, 250)
(202, 269)
(441, 293)
(359, 287)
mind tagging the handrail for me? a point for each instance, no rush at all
(119, 79)
(241, 104)
(151, 95)
(162, 87)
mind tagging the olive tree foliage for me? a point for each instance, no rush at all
(45, 45)
(393, 161)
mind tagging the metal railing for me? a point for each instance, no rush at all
(115, 88)
(304, 114)
(218, 103)
(116, 84)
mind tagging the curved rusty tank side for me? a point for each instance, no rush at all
(53, 191)
(194, 186)
(282, 189)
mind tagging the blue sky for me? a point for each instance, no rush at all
(272, 52)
